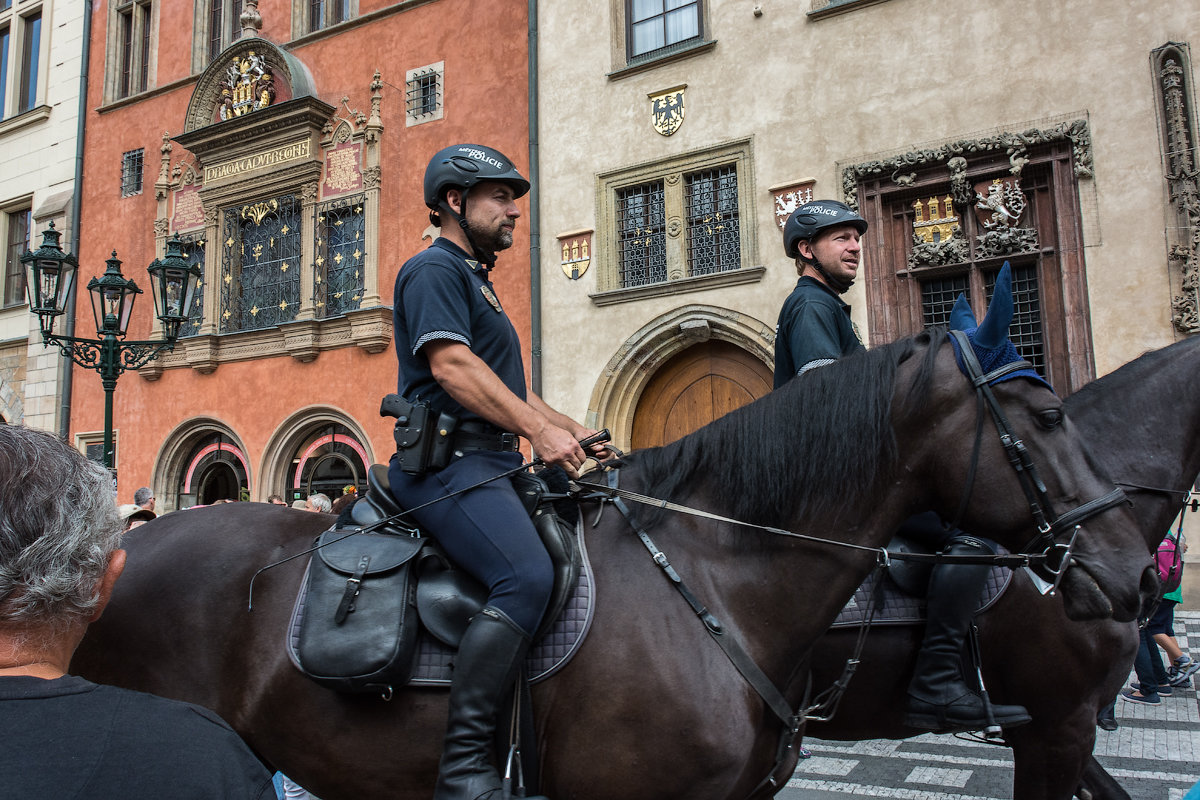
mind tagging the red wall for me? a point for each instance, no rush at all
(486, 101)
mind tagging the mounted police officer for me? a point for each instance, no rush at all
(824, 238)
(461, 369)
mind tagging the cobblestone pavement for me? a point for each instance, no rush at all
(1154, 754)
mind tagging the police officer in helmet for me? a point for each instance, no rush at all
(824, 238)
(460, 365)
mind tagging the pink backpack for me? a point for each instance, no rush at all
(1170, 564)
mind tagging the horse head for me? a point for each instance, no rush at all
(1038, 455)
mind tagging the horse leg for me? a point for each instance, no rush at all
(1097, 784)
(1049, 759)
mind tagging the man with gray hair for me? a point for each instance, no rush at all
(319, 502)
(65, 736)
(144, 497)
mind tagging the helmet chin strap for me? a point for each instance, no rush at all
(839, 285)
(485, 257)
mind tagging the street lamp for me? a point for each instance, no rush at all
(50, 273)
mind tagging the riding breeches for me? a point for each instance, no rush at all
(485, 531)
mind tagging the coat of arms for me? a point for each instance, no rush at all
(249, 85)
(667, 109)
(576, 254)
(999, 203)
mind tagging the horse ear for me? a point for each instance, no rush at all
(993, 331)
(961, 316)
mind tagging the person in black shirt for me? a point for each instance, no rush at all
(65, 736)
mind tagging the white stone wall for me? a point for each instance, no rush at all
(811, 93)
(37, 164)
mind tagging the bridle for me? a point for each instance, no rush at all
(1049, 526)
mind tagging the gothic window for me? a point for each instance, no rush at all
(260, 275)
(340, 250)
(952, 223)
(193, 251)
(641, 234)
(711, 199)
(674, 222)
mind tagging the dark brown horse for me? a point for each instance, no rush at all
(1144, 424)
(650, 707)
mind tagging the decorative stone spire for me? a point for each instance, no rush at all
(251, 20)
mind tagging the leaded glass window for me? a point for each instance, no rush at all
(711, 200)
(641, 234)
(340, 251)
(193, 251)
(260, 275)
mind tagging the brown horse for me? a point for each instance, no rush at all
(650, 707)
(1144, 424)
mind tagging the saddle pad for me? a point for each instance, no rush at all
(550, 654)
(900, 608)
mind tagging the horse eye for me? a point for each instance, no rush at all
(1050, 419)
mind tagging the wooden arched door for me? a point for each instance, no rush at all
(693, 388)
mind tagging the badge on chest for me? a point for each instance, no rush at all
(490, 296)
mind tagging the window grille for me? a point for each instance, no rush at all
(260, 275)
(423, 94)
(194, 246)
(338, 281)
(131, 173)
(711, 200)
(641, 234)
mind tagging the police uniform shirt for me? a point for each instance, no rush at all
(443, 294)
(814, 325)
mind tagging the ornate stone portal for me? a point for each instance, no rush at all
(1175, 99)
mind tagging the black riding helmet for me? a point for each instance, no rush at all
(811, 218)
(462, 166)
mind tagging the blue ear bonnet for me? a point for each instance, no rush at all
(989, 339)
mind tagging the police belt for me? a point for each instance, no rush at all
(472, 435)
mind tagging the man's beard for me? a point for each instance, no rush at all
(493, 240)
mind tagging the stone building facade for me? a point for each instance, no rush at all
(1060, 137)
(42, 51)
(285, 143)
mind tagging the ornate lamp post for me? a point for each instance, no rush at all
(50, 273)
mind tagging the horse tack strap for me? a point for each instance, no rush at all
(732, 649)
(353, 584)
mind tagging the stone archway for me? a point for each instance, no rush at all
(289, 438)
(178, 464)
(615, 399)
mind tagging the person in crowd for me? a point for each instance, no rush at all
(65, 736)
(318, 502)
(133, 515)
(144, 498)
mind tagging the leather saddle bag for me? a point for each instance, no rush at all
(354, 625)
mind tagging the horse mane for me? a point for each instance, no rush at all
(1132, 373)
(820, 443)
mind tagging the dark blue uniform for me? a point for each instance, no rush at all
(814, 325)
(444, 295)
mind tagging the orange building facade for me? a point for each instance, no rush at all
(285, 143)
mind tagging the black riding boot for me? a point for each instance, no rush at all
(938, 697)
(485, 669)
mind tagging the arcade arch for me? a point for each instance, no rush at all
(201, 461)
(317, 449)
(723, 346)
